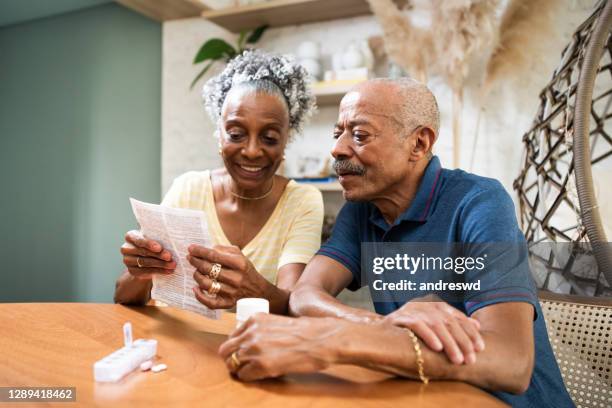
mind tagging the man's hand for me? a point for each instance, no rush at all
(441, 327)
(269, 346)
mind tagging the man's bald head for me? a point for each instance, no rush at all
(407, 101)
(384, 135)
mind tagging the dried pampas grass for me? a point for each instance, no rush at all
(408, 46)
(464, 28)
(460, 30)
(524, 33)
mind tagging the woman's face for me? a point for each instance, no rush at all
(254, 133)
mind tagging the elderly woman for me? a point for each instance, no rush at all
(265, 227)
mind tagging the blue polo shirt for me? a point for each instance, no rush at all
(452, 206)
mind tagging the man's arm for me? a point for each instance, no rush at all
(505, 365)
(270, 346)
(316, 290)
(322, 280)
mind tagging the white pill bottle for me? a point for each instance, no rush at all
(247, 307)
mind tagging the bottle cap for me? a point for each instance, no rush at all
(247, 307)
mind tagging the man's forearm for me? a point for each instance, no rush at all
(498, 368)
(309, 300)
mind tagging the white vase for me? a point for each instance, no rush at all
(352, 58)
(308, 50)
(337, 62)
(312, 66)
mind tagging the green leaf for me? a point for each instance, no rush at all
(256, 34)
(241, 40)
(201, 74)
(214, 49)
(231, 54)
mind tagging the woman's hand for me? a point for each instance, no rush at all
(269, 346)
(144, 257)
(238, 277)
(441, 327)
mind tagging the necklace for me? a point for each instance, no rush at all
(261, 197)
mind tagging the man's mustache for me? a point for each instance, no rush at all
(345, 166)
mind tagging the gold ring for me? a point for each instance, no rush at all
(214, 288)
(235, 361)
(138, 262)
(215, 271)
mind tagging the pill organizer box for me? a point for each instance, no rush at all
(118, 364)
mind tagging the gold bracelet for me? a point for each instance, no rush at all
(419, 357)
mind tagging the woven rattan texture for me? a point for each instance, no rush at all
(580, 336)
(546, 186)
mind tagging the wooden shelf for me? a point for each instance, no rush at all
(279, 13)
(164, 10)
(324, 186)
(330, 93)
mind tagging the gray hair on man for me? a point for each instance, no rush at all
(417, 104)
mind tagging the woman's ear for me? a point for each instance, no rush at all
(217, 136)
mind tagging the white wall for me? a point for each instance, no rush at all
(187, 141)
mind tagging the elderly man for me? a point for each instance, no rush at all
(397, 191)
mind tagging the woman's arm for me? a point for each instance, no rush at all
(143, 259)
(130, 290)
(238, 278)
(278, 296)
(302, 242)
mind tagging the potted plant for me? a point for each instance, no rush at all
(217, 49)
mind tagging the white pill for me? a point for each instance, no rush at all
(146, 365)
(158, 368)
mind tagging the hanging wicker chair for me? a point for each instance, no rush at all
(568, 137)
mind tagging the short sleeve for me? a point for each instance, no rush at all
(174, 196)
(344, 245)
(490, 229)
(186, 191)
(304, 236)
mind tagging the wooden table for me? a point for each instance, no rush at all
(56, 345)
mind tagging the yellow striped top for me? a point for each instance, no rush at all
(292, 234)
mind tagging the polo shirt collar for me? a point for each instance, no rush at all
(420, 207)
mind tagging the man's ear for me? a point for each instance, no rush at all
(422, 143)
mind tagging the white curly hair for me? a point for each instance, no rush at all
(270, 73)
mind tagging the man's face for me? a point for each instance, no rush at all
(372, 154)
